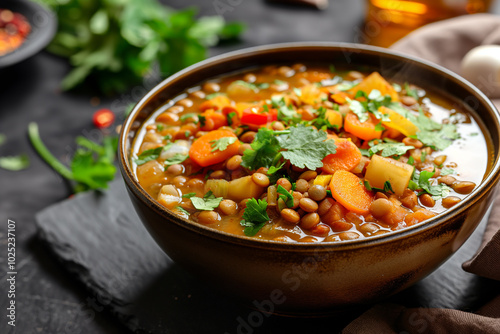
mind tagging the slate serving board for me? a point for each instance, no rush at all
(101, 241)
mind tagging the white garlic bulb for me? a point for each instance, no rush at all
(481, 66)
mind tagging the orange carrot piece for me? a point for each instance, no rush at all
(348, 191)
(218, 102)
(341, 97)
(418, 216)
(365, 130)
(346, 157)
(376, 81)
(201, 150)
(213, 120)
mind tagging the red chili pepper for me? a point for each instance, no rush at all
(257, 116)
(103, 118)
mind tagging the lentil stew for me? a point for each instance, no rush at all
(308, 153)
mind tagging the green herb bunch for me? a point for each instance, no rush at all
(115, 43)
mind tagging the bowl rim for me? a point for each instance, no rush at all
(486, 185)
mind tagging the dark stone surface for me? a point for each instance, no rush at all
(49, 300)
(101, 240)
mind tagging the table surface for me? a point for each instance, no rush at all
(48, 299)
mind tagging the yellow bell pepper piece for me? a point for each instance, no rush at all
(398, 122)
(323, 180)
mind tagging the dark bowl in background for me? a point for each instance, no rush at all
(43, 28)
(314, 278)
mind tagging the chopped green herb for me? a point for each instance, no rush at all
(297, 91)
(229, 117)
(202, 119)
(148, 155)
(213, 95)
(388, 187)
(332, 68)
(252, 86)
(187, 133)
(221, 144)
(14, 163)
(208, 203)
(423, 156)
(117, 43)
(447, 171)
(159, 127)
(92, 165)
(379, 127)
(421, 181)
(410, 91)
(279, 82)
(167, 137)
(188, 116)
(265, 151)
(388, 149)
(181, 209)
(347, 85)
(411, 161)
(473, 134)
(177, 158)
(396, 87)
(255, 216)
(285, 196)
(306, 147)
(188, 195)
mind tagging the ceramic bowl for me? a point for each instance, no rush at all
(314, 278)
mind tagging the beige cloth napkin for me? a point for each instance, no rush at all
(446, 43)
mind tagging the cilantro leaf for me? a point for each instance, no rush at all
(92, 165)
(148, 155)
(255, 216)
(147, 32)
(188, 195)
(410, 91)
(421, 181)
(447, 171)
(285, 113)
(177, 158)
(229, 118)
(208, 203)
(285, 196)
(389, 149)
(306, 147)
(357, 108)
(14, 163)
(264, 152)
(221, 144)
(184, 211)
(254, 87)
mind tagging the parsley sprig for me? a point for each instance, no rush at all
(255, 216)
(304, 147)
(92, 165)
(421, 181)
(372, 103)
(208, 203)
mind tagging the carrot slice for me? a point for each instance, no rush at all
(346, 157)
(348, 191)
(202, 152)
(365, 130)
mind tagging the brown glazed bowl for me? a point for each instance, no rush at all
(315, 278)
